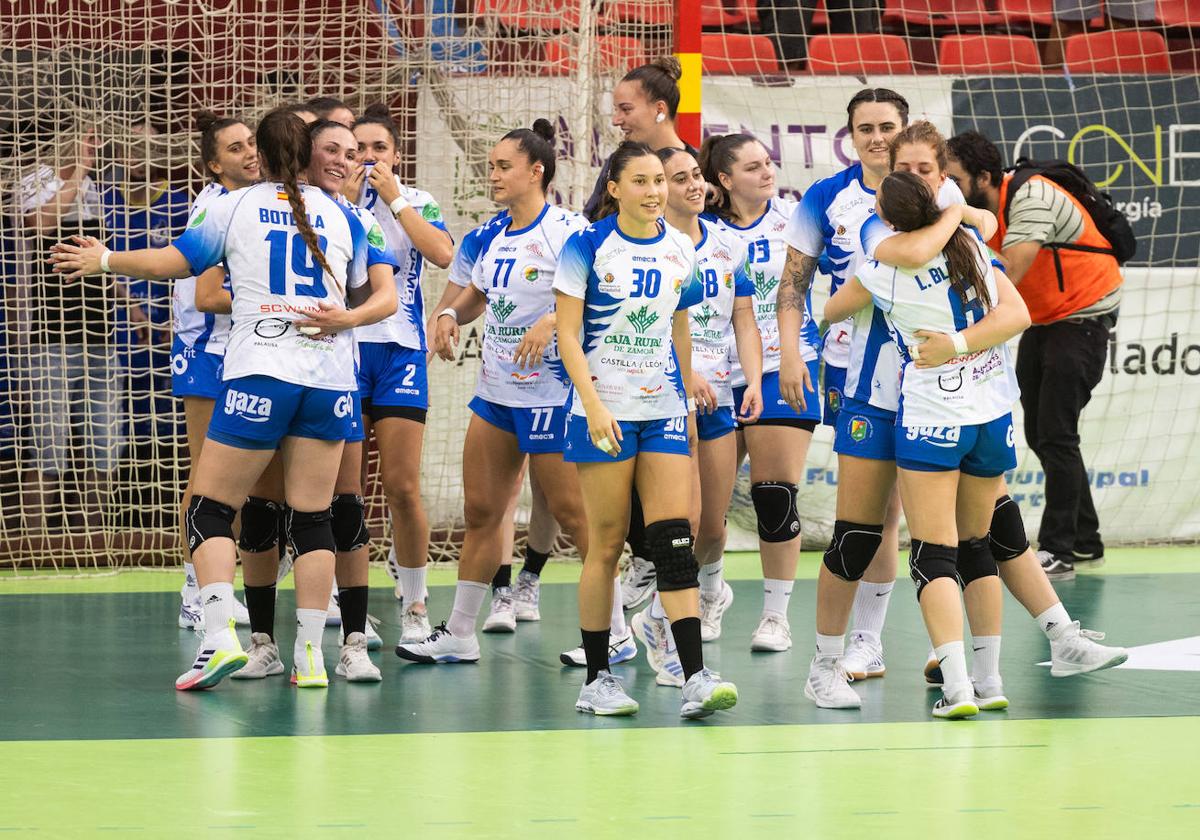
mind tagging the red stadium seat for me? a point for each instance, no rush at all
(1117, 51)
(851, 55)
(940, 13)
(738, 55)
(1180, 13)
(988, 55)
(652, 12)
(616, 53)
(722, 14)
(531, 15)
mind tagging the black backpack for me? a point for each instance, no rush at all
(1112, 223)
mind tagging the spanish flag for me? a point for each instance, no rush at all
(281, 195)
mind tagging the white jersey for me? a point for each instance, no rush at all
(276, 281)
(721, 270)
(515, 271)
(766, 252)
(406, 326)
(463, 264)
(971, 389)
(631, 290)
(201, 330)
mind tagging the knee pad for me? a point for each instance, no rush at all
(975, 561)
(260, 524)
(669, 548)
(349, 513)
(1007, 537)
(929, 561)
(208, 518)
(852, 548)
(775, 507)
(310, 531)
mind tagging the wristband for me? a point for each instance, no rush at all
(453, 313)
(960, 344)
(104, 261)
(397, 205)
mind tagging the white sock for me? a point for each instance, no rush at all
(985, 664)
(217, 602)
(468, 601)
(1054, 621)
(616, 627)
(310, 627)
(776, 594)
(953, 660)
(189, 577)
(712, 577)
(833, 646)
(412, 584)
(870, 608)
(656, 608)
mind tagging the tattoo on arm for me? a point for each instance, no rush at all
(798, 273)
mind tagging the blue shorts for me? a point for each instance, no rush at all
(864, 431)
(195, 373)
(716, 425)
(391, 376)
(776, 412)
(537, 430)
(669, 436)
(984, 450)
(256, 412)
(835, 393)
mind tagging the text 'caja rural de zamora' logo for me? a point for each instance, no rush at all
(763, 286)
(502, 307)
(643, 319)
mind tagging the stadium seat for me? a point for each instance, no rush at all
(650, 12)
(616, 53)
(531, 15)
(722, 14)
(850, 55)
(738, 55)
(988, 55)
(1180, 13)
(1117, 51)
(940, 13)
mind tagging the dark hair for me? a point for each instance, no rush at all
(538, 145)
(922, 131)
(660, 81)
(908, 204)
(717, 154)
(628, 150)
(670, 151)
(977, 154)
(297, 108)
(210, 125)
(319, 127)
(323, 106)
(876, 95)
(379, 114)
(285, 146)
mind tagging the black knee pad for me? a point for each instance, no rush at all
(975, 561)
(852, 548)
(669, 548)
(208, 518)
(260, 524)
(310, 531)
(775, 507)
(349, 512)
(929, 561)
(1007, 536)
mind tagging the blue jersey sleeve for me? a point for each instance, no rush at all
(203, 242)
(806, 228)
(692, 292)
(743, 286)
(575, 265)
(872, 233)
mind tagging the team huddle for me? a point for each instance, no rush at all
(633, 356)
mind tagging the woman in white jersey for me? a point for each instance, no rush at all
(292, 254)
(517, 411)
(230, 160)
(747, 206)
(623, 287)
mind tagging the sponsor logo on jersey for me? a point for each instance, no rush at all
(778, 226)
(951, 382)
(502, 307)
(674, 259)
(248, 406)
(271, 327)
(721, 254)
(650, 391)
(677, 284)
(643, 319)
(534, 248)
(860, 429)
(375, 237)
(722, 374)
(645, 259)
(521, 377)
(728, 279)
(841, 230)
(199, 220)
(703, 315)
(530, 274)
(763, 285)
(431, 212)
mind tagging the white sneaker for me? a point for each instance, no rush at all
(263, 659)
(828, 685)
(442, 646)
(960, 704)
(309, 670)
(353, 662)
(526, 597)
(638, 583)
(333, 612)
(605, 696)
(863, 658)
(661, 655)
(989, 695)
(1075, 652)
(503, 616)
(374, 640)
(773, 633)
(241, 615)
(706, 693)
(414, 626)
(219, 655)
(620, 649)
(712, 609)
(191, 613)
(393, 568)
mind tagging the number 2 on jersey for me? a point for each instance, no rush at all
(302, 265)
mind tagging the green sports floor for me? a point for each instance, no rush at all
(94, 741)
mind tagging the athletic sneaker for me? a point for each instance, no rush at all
(933, 671)
(191, 613)
(503, 616)
(353, 662)
(263, 659)
(1088, 559)
(1075, 652)
(1057, 566)
(989, 695)
(706, 693)
(620, 649)
(773, 633)
(712, 609)
(863, 658)
(828, 685)
(393, 568)
(414, 626)
(311, 672)
(526, 597)
(333, 612)
(638, 583)
(605, 696)
(661, 655)
(374, 641)
(241, 615)
(440, 647)
(218, 656)
(961, 705)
